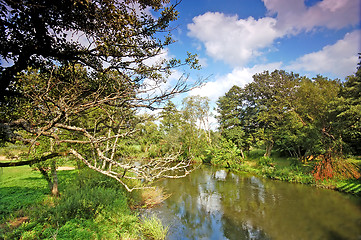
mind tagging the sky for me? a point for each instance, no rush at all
(235, 39)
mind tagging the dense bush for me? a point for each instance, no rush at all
(226, 154)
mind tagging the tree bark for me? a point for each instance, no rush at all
(29, 162)
(269, 146)
(242, 154)
(54, 188)
(46, 176)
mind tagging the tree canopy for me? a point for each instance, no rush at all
(102, 35)
(299, 116)
(79, 73)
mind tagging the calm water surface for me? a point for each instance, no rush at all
(217, 204)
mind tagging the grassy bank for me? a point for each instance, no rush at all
(295, 171)
(91, 206)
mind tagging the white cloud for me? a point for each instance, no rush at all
(294, 16)
(339, 59)
(237, 41)
(233, 40)
(203, 62)
(239, 76)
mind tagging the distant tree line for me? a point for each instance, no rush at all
(295, 115)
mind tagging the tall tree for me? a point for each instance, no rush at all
(270, 96)
(349, 110)
(234, 119)
(196, 129)
(312, 106)
(283, 110)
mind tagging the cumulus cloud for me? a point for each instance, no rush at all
(237, 41)
(339, 59)
(233, 40)
(294, 16)
(239, 76)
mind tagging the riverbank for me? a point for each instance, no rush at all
(294, 171)
(91, 206)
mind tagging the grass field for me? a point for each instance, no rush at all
(91, 206)
(20, 187)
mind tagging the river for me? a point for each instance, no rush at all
(217, 204)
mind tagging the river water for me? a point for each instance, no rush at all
(217, 204)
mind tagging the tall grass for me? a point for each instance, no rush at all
(152, 228)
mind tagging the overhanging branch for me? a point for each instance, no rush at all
(29, 162)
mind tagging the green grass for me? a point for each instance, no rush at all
(20, 187)
(153, 228)
(91, 206)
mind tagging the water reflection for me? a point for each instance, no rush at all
(212, 204)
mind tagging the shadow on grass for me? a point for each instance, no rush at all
(13, 199)
(20, 193)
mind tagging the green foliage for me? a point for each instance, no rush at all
(77, 229)
(298, 116)
(91, 206)
(152, 228)
(353, 186)
(235, 121)
(226, 154)
(187, 130)
(114, 26)
(265, 162)
(87, 202)
(347, 109)
(255, 153)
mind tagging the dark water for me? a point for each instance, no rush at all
(211, 204)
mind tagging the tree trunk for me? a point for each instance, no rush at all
(269, 146)
(46, 176)
(242, 155)
(54, 188)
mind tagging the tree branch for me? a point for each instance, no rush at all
(29, 162)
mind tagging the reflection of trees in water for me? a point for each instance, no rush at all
(286, 211)
(197, 207)
(235, 229)
(219, 205)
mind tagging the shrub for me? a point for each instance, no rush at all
(265, 162)
(327, 167)
(226, 154)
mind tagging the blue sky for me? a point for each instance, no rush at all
(235, 39)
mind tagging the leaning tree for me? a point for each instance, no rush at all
(77, 73)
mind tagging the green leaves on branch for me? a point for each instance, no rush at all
(298, 116)
(226, 155)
